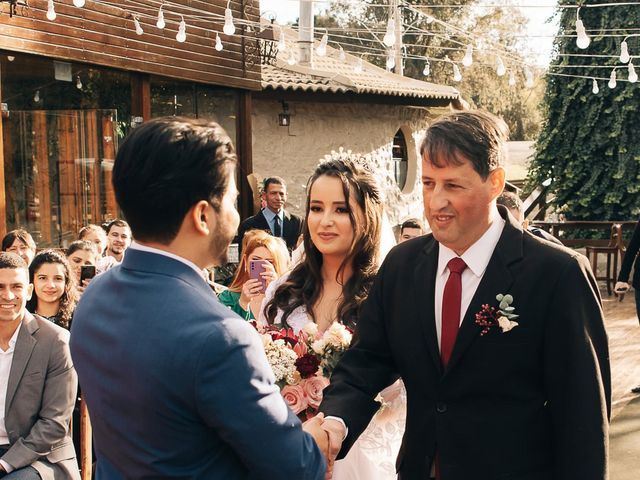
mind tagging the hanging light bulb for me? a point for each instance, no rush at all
(430, 19)
(282, 44)
(11, 58)
(359, 68)
(79, 3)
(633, 76)
(181, 36)
(36, 97)
(229, 28)
(528, 78)
(427, 68)
(583, 39)
(500, 68)
(218, 46)
(624, 52)
(595, 88)
(389, 38)
(161, 23)
(512, 79)
(457, 76)
(136, 23)
(78, 82)
(341, 56)
(292, 58)
(322, 48)
(467, 61)
(51, 11)
(391, 60)
(613, 79)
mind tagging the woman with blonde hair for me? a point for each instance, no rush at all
(267, 253)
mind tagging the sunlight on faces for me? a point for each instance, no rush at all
(48, 282)
(22, 250)
(79, 258)
(119, 239)
(15, 290)
(458, 202)
(275, 197)
(329, 223)
(225, 222)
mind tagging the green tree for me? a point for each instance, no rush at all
(589, 146)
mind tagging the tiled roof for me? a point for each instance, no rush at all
(330, 74)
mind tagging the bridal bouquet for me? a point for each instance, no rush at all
(302, 363)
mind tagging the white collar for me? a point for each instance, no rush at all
(145, 248)
(477, 256)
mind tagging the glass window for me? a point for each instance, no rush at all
(400, 159)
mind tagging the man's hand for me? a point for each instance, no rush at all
(313, 426)
(336, 433)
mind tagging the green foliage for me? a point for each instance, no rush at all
(589, 144)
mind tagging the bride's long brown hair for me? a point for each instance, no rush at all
(304, 284)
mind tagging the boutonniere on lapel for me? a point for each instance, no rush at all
(502, 317)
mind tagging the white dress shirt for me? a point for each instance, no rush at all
(157, 251)
(477, 258)
(6, 359)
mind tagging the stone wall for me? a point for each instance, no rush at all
(318, 129)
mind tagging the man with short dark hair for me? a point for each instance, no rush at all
(21, 243)
(273, 217)
(498, 337)
(178, 386)
(118, 238)
(515, 206)
(410, 228)
(37, 385)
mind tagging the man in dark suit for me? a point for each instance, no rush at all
(490, 395)
(515, 206)
(273, 218)
(37, 385)
(177, 385)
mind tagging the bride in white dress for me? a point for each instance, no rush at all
(342, 237)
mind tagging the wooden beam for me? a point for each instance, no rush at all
(3, 196)
(140, 96)
(244, 148)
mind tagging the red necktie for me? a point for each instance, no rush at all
(451, 308)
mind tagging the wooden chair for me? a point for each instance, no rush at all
(612, 251)
(86, 458)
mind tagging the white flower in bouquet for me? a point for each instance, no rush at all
(338, 336)
(282, 360)
(319, 346)
(311, 329)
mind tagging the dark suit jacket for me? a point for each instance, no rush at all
(177, 385)
(41, 394)
(631, 259)
(291, 228)
(530, 404)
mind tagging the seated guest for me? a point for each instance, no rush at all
(21, 243)
(516, 208)
(245, 294)
(118, 240)
(54, 288)
(273, 218)
(40, 385)
(79, 254)
(410, 228)
(95, 234)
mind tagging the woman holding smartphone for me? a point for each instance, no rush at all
(54, 293)
(82, 256)
(264, 258)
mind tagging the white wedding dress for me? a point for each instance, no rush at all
(373, 455)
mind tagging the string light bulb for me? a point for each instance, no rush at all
(430, 19)
(391, 60)
(342, 56)
(78, 82)
(161, 23)
(51, 11)
(595, 88)
(322, 48)
(633, 76)
(282, 44)
(218, 46)
(79, 3)
(500, 68)
(359, 68)
(181, 36)
(11, 58)
(36, 97)
(427, 68)
(467, 60)
(229, 28)
(624, 52)
(512, 79)
(389, 38)
(457, 76)
(583, 39)
(528, 78)
(613, 82)
(292, 58)
(136, 23)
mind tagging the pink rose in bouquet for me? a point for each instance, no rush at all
(295, 398)
(312, 388)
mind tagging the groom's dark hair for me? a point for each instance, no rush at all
(476, 136)
(164, 167)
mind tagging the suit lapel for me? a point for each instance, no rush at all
(25, 343)
(498, 278)
(424, 294)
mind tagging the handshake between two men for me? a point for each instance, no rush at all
(328, 434)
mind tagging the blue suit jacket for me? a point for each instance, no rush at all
(177, 385)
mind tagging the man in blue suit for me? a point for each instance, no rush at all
(176, 384)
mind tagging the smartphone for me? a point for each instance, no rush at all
(256, 267)
(87, 272)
